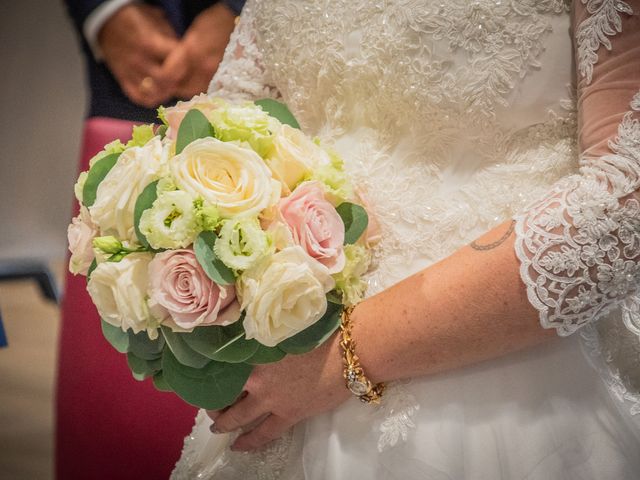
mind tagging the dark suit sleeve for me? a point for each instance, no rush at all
(235, 5)
(79, 10)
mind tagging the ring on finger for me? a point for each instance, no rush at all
(147, 85)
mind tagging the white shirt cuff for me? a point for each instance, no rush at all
(96, 20)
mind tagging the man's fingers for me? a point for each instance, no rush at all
(273, 427)
(175, 68)
(240, 414)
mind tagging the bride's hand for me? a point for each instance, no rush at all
(282, 394)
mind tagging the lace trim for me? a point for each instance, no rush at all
(604, 22)
(579, 247)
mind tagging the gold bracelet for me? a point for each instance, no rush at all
(355, 378)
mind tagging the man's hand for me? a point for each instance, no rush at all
(135, 43)
(192, 63)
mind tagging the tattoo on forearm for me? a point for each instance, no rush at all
(476, 246)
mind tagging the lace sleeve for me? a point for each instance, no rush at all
(579, 246)
(241, 74)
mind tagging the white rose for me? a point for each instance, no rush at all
(282, 295)
(117, 193)
(233, 179)
(80, 235)
(119, 292)
(294, 156)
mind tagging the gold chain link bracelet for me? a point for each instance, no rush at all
(356, 380)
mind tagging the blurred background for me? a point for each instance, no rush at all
(42, 98)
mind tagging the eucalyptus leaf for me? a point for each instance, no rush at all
(266, 354)
(209, 261)
(118, 338)
(97, 173)
(182, 351)
(160, 383)
(142, 368)
(224, 344)
(194, 126)
(355, 221)
(144, 201)
(214, 386)
(279, 111)
(316, 334)
(143, 347)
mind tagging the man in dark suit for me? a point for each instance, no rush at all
(138, 55)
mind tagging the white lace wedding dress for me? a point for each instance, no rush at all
(454, 117)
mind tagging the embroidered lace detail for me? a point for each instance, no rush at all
(400, 408)
(580, 245)
(241, 75)
(221, 463)
(604, 21)
(402, 72)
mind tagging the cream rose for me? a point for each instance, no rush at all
(117, 193)
(294, 156)
(233, 179)
(282, 295)
(80, 234)
(119, 292)
(188, 298)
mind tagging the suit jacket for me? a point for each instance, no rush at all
(106, 97)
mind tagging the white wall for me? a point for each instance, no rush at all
(42, 101)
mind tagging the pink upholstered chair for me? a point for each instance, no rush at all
(109, 426)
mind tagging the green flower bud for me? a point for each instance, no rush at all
(108, 244)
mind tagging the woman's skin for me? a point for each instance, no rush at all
(469, 307)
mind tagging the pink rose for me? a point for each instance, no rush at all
(80, 235)
(174, 115)
(315, 225)
(181, 292)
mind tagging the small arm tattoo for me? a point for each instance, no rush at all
(476, 246)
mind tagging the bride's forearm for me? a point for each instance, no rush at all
(467, 308)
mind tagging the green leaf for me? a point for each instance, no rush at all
(182, 351)
(316, 334)
(224, 344)
(355, 221)
(214, 386)
(118, 338)
(209, 261)
(95, 176)
(194, 126)
(279, 111)
(162, 131)
(145, 200)
(142, 368)
(266, 354)
(143, 347)
(92, 267)
(160, 383)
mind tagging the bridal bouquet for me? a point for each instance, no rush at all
(222, 239)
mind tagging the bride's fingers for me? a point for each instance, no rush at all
(240, 414)
(213, 414)
(273, 427)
